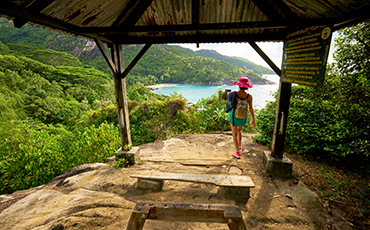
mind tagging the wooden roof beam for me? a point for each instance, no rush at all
(41, 19)
(352, 18)
(19, 22)
(200, 27)
(36, 6)
(200, 39)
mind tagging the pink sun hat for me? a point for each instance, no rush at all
(243, 83)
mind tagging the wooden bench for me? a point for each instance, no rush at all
(186, 212)
(232, 186)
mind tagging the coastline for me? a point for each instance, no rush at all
(159, 86)
(193, 93)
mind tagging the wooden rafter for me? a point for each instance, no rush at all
(280, 5)
(195, 12)
(39, 5)
(132, 13)
(35, 6)
(125, 13)
(352, 18)
(274, 9)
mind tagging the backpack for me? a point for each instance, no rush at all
(241, 110)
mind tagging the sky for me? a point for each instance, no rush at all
(274, 50)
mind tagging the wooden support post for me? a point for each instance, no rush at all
(281, 119)
(121, 98)
(282, 108)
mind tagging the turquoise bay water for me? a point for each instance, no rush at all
(194, 93)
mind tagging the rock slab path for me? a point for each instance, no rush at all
(101, 196)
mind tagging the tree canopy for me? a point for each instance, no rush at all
(333, 119)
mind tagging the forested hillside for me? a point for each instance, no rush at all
(236, 61)
(161, 63)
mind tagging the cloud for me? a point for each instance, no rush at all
(274, 50)
(244, 50)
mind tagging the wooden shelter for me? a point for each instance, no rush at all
(117, 22)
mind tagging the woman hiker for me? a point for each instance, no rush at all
(238, 103)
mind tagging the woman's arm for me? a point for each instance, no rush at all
(250, 102)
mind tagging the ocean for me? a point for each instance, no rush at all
(193, 93)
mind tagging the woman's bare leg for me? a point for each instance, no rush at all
(234, 130)
(239, 130)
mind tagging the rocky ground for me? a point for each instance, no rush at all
(101, 196)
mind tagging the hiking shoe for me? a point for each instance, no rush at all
(236, 154)
(240, 149)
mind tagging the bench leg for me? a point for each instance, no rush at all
(236, 224)
(138, 217)
(156, 185)
(137, 221)
(234, 219)
(230, 215)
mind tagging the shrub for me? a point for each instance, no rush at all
(318, 124)
(105, 114)
(175, 105)
(42, 155)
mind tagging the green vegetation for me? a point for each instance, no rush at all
(180, 70)
(44, 110)
(161, 63)
(55, 117)
(332, 124)
(334, 119)
(236, 61)
(58, 112)
(46, 56)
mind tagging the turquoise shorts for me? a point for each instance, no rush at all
(236, 121)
